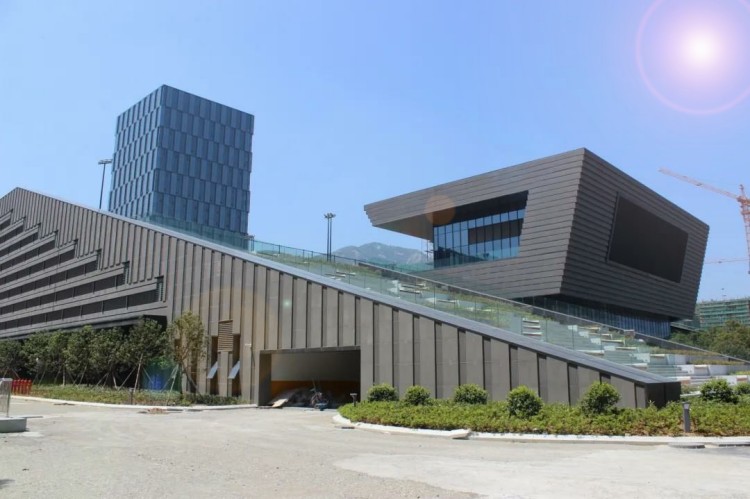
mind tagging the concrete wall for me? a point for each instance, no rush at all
(276, 308)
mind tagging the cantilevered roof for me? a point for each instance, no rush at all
(417, 212)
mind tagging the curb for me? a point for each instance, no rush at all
(341, 422)
(677, 442)
(168, 408)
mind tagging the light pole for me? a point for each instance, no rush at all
(104, 163)
(329, 216)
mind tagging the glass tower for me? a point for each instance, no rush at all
(184, 162)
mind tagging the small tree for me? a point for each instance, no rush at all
(55, 354)
(742, 389)
(189, 343)
(11, 359)
(105, 354)
(731, 339)
(77, 355)
(470, 394)
(523, 402)
(600, 398)
(147, 342)
(382, 393)
(718, 390)
(34, 354)
(417, 395)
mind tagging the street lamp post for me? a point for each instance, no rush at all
(329, 216)
(104, 163)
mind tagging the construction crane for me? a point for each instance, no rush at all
(740, 198)
(726, 260)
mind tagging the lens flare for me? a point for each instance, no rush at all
(701, 50)
(694, 55)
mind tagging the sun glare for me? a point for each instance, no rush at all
(701, 50)
(694, 55)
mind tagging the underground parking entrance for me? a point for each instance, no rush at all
(291, 378)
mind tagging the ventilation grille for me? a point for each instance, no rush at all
(226, 340)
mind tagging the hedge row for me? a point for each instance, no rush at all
(524, 412)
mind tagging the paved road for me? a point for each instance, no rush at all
(75, 451)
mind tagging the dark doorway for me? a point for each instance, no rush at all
(296, 375)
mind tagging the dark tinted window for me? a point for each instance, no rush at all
(644, 241)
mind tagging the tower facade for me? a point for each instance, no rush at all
(184, 162)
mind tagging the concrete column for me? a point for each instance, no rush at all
(223, 373)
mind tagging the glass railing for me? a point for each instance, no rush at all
(621, 346)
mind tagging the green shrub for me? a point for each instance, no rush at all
(524, 403)
(718, 390)
(382, 393)
(600, 398)
(742, 389)
(709, 418)
(417, 395)
(470, 394)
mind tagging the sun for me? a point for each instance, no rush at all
(701, 50)
(694, 55)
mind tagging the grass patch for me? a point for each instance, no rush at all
(87, 393)
(708, 418)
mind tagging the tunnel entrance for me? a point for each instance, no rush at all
(296, 375)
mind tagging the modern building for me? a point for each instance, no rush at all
(718, 312)
(184, 161)
(569, 232)
(273, 326)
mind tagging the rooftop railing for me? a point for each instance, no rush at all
(621, 346)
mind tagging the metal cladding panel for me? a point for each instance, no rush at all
(285, 312)
(204, 291)
(272, 310)
(447, 360)
(214, 293)
(399, 341)
(347, 320)
(552, 187)
(404, 349)
(473, 354)
(299, 313)
(366, 344)
(424, 354)
(315, 315)
(557, 381)
(499, 385)
(528, 369)
(384, 345)
(590, 275)
(225, 292)
(235, 292)
(246, 332)
(627, 391)
(331, 317)
(259, 324)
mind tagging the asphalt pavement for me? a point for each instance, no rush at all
(80, 451)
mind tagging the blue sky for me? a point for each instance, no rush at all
(359, 101)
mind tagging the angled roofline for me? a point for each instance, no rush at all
(555, 351)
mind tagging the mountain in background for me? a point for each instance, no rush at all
(378, 252)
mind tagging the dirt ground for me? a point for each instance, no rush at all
(76, 451)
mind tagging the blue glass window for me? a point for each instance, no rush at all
(489, 237)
